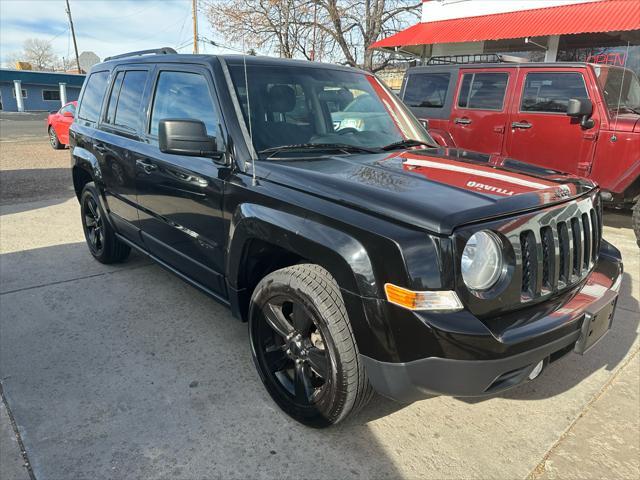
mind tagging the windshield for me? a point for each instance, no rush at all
(307, 106)
(618, 91)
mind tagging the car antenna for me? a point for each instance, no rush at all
(614, 137)
(254, 182)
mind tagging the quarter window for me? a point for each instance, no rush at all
(51, 95)
(550, 92)
(183, 95)
(484, 91)
(91, 102)
(426, 90)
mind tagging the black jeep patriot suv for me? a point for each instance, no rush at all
(309, 199)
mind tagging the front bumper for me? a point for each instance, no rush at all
(496, 368)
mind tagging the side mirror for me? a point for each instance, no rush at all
(186, 137)
(579, 107)
(68, 114)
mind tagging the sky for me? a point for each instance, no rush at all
(106, 27)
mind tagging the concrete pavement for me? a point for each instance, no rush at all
(126, 371)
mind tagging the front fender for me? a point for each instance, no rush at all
(341, 254)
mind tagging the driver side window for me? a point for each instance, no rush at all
(183, 95)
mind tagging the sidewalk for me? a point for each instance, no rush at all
(603, 442)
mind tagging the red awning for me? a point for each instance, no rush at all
(601, 16)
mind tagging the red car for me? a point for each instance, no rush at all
(58, 124)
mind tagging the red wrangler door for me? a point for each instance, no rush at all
(479, 114)
(540, 132)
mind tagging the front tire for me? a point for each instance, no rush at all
(635, 221)
(53, 140)
(303, 346)
(100, 236)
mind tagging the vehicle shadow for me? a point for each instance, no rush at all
(572, 369)
(617, 218)
(21, 188)
(125, 371)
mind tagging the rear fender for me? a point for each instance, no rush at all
(82, 159)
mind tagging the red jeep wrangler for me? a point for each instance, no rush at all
(578, 118)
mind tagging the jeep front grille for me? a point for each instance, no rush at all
(559, 254)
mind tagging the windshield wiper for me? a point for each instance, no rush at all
(407, 143)
(317, 146)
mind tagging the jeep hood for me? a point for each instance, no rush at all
(437, 189)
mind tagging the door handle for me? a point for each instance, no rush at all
(521, 125)
(146, 165)
(99, 147)
(462, 121)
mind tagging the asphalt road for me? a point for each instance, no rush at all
(126, 371)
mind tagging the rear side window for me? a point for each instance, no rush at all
(113, 99)
(550, 92)
(183, 95)
(130, 99)
(426, 90)
(92, 98)
(484, 91)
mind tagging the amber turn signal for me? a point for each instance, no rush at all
(436, 300)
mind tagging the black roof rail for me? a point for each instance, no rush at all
(474, 58)
(154, 51)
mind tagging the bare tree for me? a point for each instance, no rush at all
(284, 26)
(328, 29)
(39, 53)
(356, 24)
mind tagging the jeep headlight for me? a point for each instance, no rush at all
(482, 261)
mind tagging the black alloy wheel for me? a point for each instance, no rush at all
(293, 350)
(303, 346)
(101, 239)
(93, 225)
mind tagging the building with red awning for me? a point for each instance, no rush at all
(599, 31)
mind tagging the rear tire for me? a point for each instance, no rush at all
(100, 236)
(53, 140)
(303, 346)
(635, 220)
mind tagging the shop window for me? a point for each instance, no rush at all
(484, 91)
(427, 90)
(51, 95)
(550, 92)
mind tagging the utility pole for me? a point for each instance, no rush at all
(73, 34)
(194, 7)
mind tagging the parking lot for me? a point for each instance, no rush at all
(126, 371)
